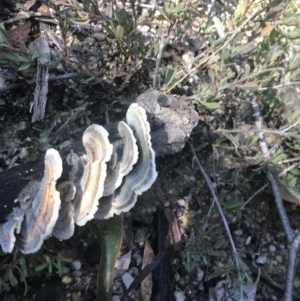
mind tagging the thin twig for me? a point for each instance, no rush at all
(161, 46)
(293, 241)
(278, 86)
(280, 133)
(216, 201)
(285, 171)
(291, 268)
(254, 195)
(212, 14)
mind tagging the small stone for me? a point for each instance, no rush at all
(22, 125)
(99, 36)
(127, 279)
(192, 179)
(262, 259)
(179, 296)
(272, 248)
(238, 232)
(65, 144)
(2, 102)
(66, 279)
(177, 277)
(296, 282)
(188, 58)
(181, 202)
(200, 274)
(3, 84)
(76, 296)
(278, 258)
(145, 28)
(115, 298)
(76, 265)
(138, 258)
(91, 41)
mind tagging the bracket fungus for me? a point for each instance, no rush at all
(8, 229)
(42, 213)
(123, 166)
(99, 151)
(144, 172)
(64, 227)
(106, 180)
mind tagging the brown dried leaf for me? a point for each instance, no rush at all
(173, 228)
(146, 285)
(265, 31)
(28, 4)
(44, 9)
(19, 34)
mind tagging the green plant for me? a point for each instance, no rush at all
(205, 244)
(50, 263)
(14, 273)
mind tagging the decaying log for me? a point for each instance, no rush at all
(171, 121)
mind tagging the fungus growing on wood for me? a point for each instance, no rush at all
(105, 209)
(123, 165)
(64, 227)
(99, 151)
(43, 202)
(144, 173)
(8, 229)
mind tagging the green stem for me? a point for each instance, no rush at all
(110, 243)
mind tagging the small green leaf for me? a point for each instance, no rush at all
(3, 35)
(32, 157)
(55, 63)
(41, 267)
(225, 53)
(108, 30)
(4, 285)
(217, 253)
(15, 57)
(119, 32)
(292, 20)
(293, 34)
(163, 13)
(211, 75)
(24, 66)
(234, 204)
(87, 120)
(293, 181)
(210, 105)
(12, 279)
(178, 8)
(216, 273)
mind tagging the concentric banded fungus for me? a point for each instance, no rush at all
(124, 166)
(64, 227)
(106, 209)
(99, 151)
(8, 229)
(143, 174)
(41, 216)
